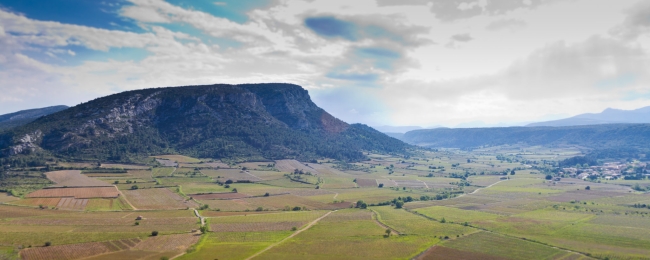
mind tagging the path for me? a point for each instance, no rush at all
(292, 235)
(487, 186)
(335, 195)
(376, 219)
(196, 212)
(127, 201)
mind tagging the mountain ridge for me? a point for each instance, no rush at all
(608, 116)
(254, 121)
(22, 117)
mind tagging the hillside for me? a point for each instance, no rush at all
(11, 120)
(250, 121)
(596, 136)
(608, 116)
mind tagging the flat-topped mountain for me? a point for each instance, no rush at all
(249, 121)
(15, 119)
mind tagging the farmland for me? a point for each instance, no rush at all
(452, 204)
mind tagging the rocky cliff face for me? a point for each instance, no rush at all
(251, 120)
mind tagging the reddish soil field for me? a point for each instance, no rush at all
(255, 226)
(168, 243)
(441, 252)
(214, 196)
(367, 182)
(78, 193)
(72, 203)
(76, 251)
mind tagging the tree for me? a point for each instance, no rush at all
(361, 204)
(549, 177)
(587, 188)
(512, 172)
(48, 243)
(154, 233)
(399, 204)
(266, 194)
(259, 209)
(204, 229)
(228, 182)
(381, 185)
(134, 187)
(387, 232)
(116, 182)
(234, 190)
(443, 220)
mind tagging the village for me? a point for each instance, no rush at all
(633, 170)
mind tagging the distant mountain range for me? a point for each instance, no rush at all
(242, 122)
(589, 136)
(608, 116)
(11, 120)
(396, 129)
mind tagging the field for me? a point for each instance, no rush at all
(160, 198)
(79, 193)
(73, 179)
(443, 204)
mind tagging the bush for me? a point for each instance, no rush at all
(228, 182)
(381, 185)
(154, 233)
(296, 208)
(399, 204)
(134, 187)
(48, 243)
(587, 188)
(266, 194)
(549, 177)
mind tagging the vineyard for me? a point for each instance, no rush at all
(73, 179)
(76, 251)
(159, 198)
(255, 226)
(78, 193)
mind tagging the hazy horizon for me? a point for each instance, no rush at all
(378, 62)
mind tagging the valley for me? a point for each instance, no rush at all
(489, 203)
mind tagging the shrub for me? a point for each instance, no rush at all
(266, 194)
(134, 187)
(381, 185)
(296, 208)
(48, 243)
(294, 228)
(154, 233)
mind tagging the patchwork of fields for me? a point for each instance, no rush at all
(446, 204)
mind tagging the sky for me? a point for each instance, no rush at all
(378, 62)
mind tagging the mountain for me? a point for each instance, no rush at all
(8, 121)
(591, 136)
(395, 129)
(248, 121)
(608, 116)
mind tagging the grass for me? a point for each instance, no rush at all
(107, 204)
(497, 245)
(454, 214)
(357, 239)
(412, 224)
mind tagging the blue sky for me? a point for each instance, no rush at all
(379, 62)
